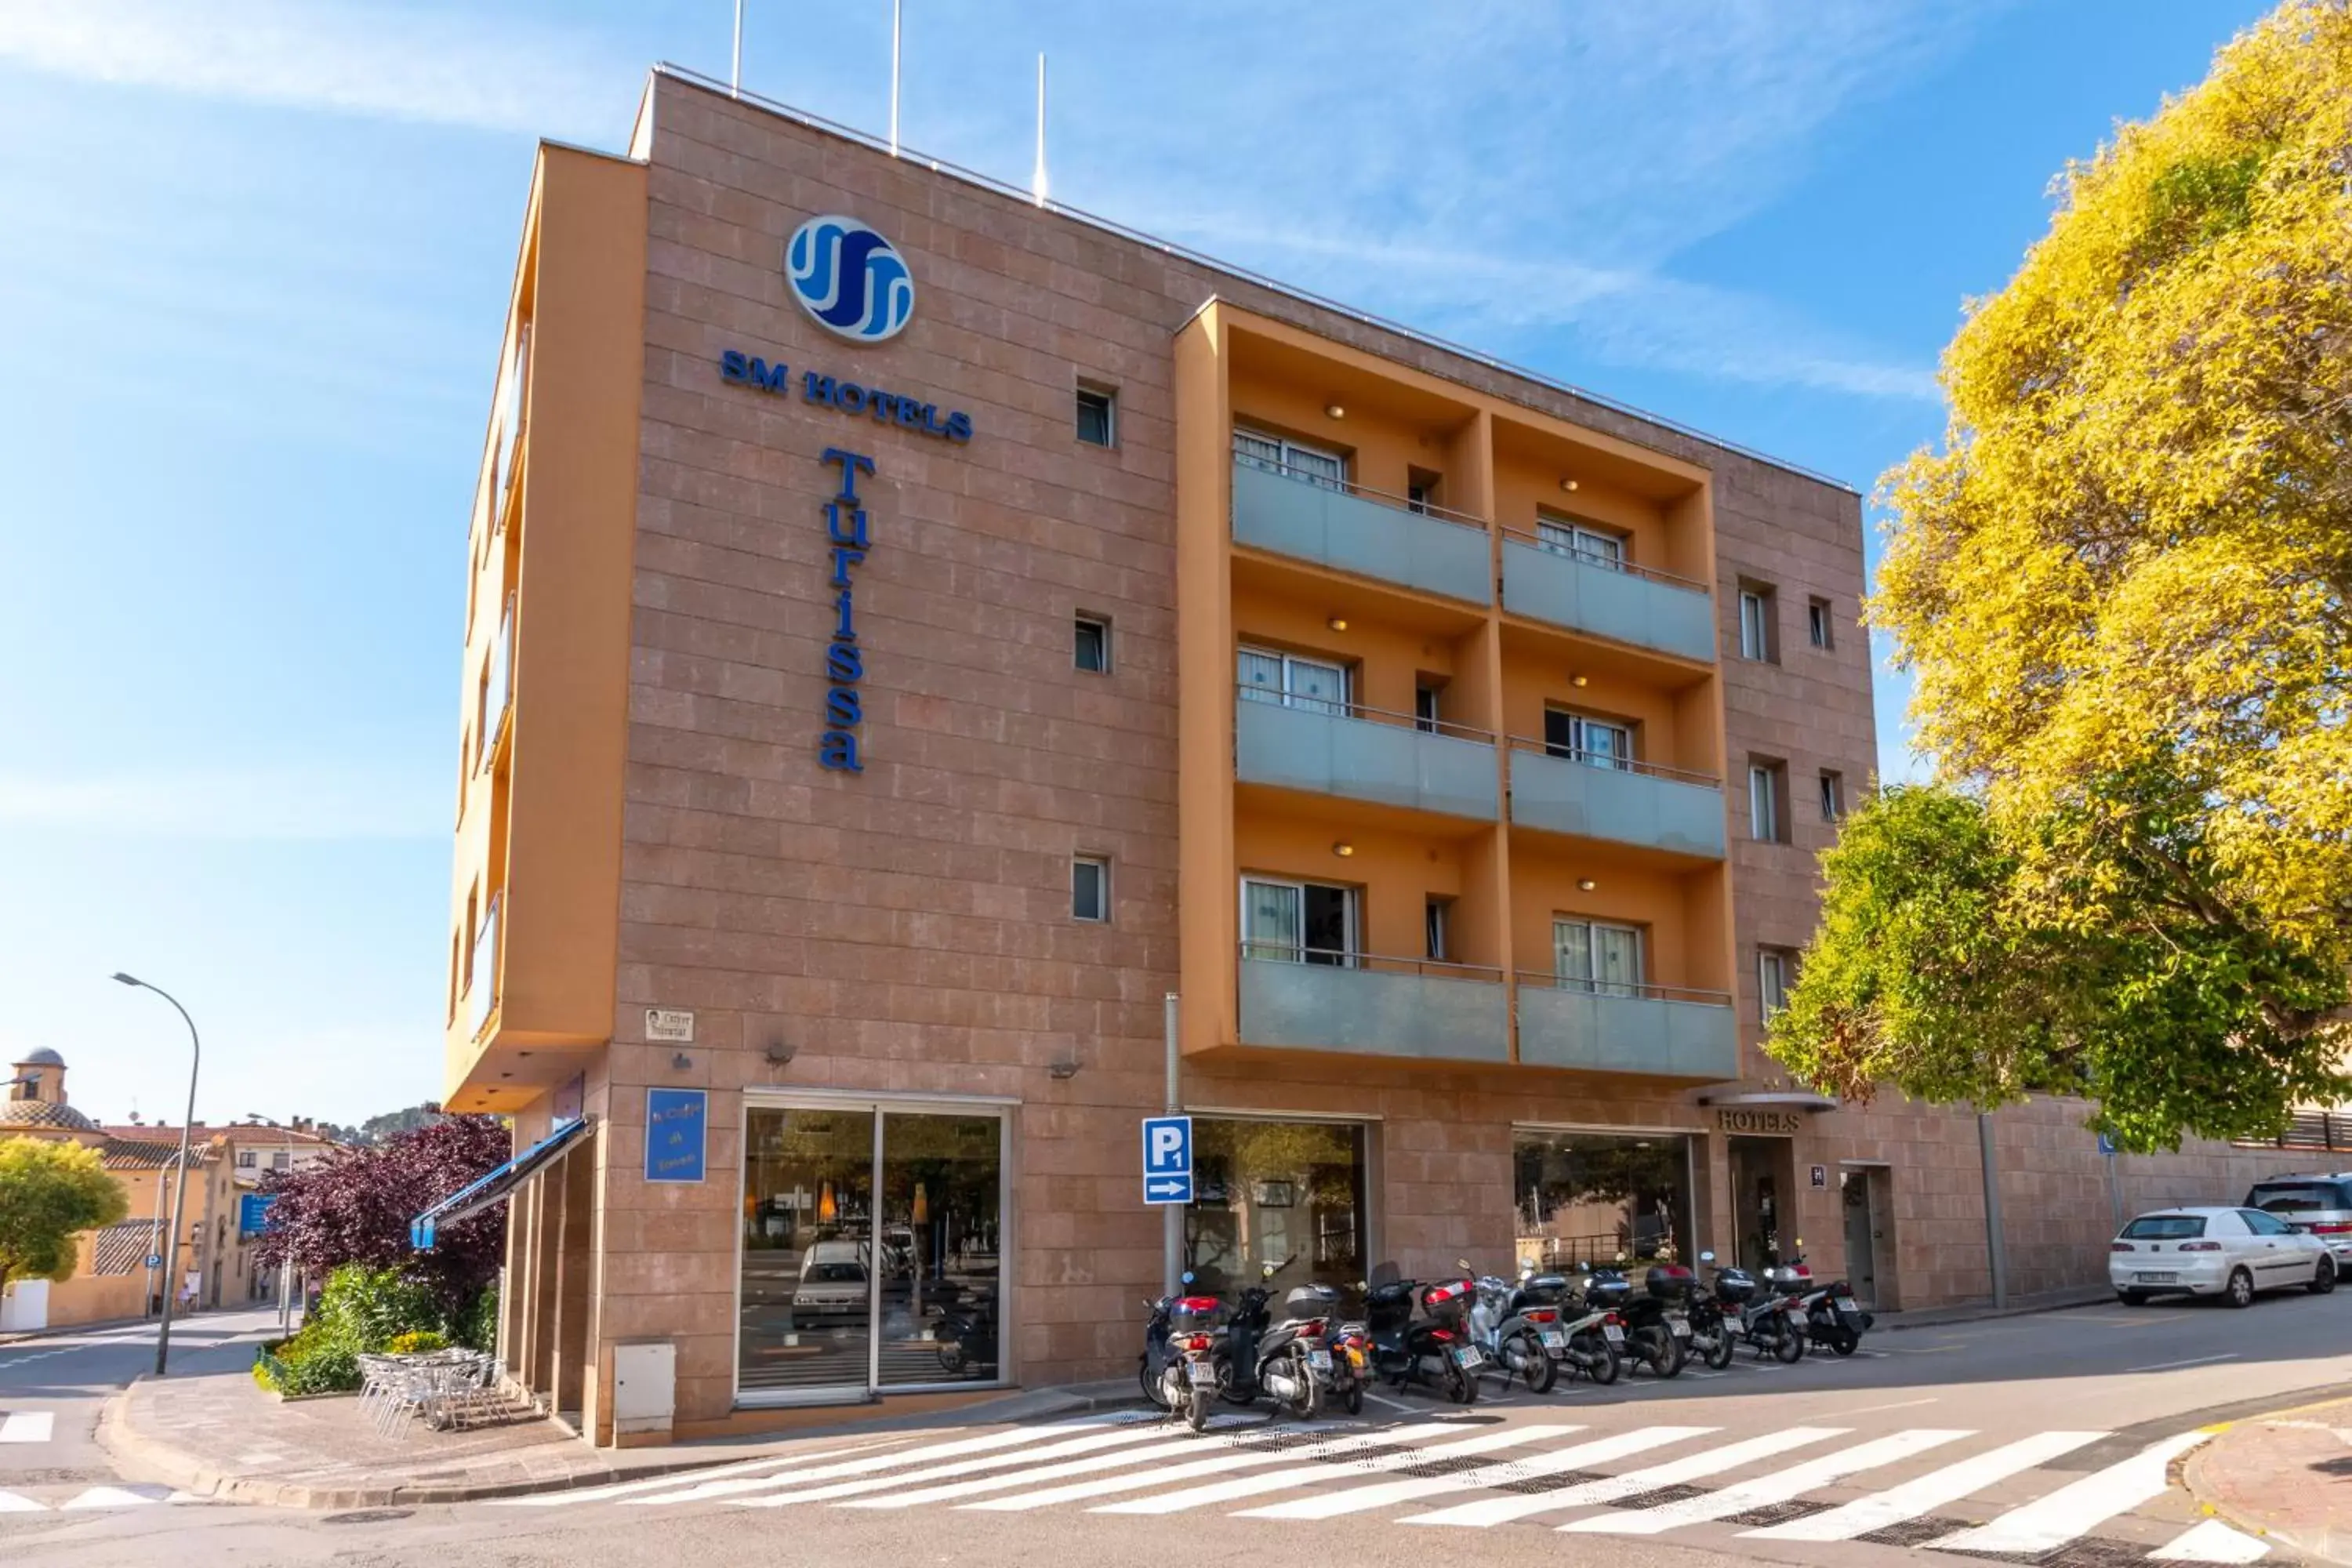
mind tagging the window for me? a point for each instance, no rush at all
(1435, 920)
(281, 1161)
(1265, 676)
(1089, 888)
(2166, 1227)
(1817, 624)
(1288, 457)
(1586, 1196)
(1092, 644)
(1588, 542)
(1424, 709)
(1097, 416)
(1756, 639)
(1776, 971)
(1598, 742)
(1592, 955)
(2262, 1224)
(1766, 821)
(1298, 922)
(1419, 496)
(1832, 795)
(247, 1160)
(1280, 1192)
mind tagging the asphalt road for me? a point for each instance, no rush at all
(2056, 1431)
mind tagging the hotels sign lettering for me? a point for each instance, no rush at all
(844, 662)
(1773, 1123)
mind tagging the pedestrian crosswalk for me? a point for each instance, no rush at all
(1947, 1489)
(79, 1499)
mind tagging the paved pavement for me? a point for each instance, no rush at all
(2057, 1440)
(53, 1387)
(2283, 1477)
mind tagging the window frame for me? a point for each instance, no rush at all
(1287, 696)
(1351, 954)
(1108, 398)
(1579, 750)
(1767, 825)
(1818, 627)
(1582, 539)
(1832, 795)
(1591, 984)
(1437, 930)
(1761, 646)
(1100, 624)
(1284, 448)
(1772, 994)
(1101, 865)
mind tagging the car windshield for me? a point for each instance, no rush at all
(2165, 1227)
(837, 1273)
(2293, 1200)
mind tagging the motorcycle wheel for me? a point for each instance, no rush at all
(1352, 1402)
(1460, 1386)
(1668, 1363)
(1225, 1390)
(1788, 1346)
(1846, 1341)
(1302, 1404)
(1196, 1409)
(951, 1358)
(1544, 1374)
(1151, 1389)
(1606, 1365)
(1719, 1356)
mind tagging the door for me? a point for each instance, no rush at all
(1757, 1193)
(1860, 1237)
(2278, 1252)
(941, 1182)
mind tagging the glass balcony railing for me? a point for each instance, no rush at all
(1656, 1031)
(1546, 580)
(1363, 1004)
(1363, 754)
(498, 693)
(1312, 517)
(482, 994)
(1624, 802)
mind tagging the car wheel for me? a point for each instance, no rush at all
(2132, 1298)
(2240, 1292)
(2323, 1279)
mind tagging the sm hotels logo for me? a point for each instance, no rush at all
(850, 279)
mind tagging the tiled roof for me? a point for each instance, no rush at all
(43, 1113)
(150, 1154)
(122, 1247)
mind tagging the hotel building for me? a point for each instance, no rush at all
(912, 631)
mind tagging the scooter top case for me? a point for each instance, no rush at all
(1735, 1286)
(1668, 1282)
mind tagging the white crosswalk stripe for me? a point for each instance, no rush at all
(11, 1504)
(1914, 1498)
(1488, 1512)
(1358, 1499)
(1216, 1464)
(127, 1495)
(1779, 1486)
(2210, 1541)
(2049, 1522)
(1317, 1475)
(1091, 1442)
(1145, 1454)
(28, 1425)
(795, 1471)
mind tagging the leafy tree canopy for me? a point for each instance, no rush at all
(50, 1191)
(2121, 585)
(354, 1206)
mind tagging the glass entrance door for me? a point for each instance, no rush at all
(871, 1251)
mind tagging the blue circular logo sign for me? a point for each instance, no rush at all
(850, 279)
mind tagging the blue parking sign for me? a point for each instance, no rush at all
(1166, 1159)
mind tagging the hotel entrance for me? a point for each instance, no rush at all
(872, 1247)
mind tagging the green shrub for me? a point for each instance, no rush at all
(363, 1311)
(417, 1342)
(477, 1325)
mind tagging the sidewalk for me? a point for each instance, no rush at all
(2018, 1307)
(218, 1434)
(2283, 1477)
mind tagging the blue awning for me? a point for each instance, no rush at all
(494, 1188)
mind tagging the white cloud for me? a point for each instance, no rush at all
(293, 800)
(458, 67)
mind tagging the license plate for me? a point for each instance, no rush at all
(1467, 1356)
(1616, 1335)
(1355, 1357)
(1319, 1360)
(2167, 1277)
(1681, 1326)
(1554, 1340)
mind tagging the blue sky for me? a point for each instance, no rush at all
(255, 258)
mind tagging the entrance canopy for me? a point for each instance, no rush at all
(493, 1188)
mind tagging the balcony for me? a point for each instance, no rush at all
(1374, 1006)
(482, 971)
(1618, 600)
(1347, 528)
(1653, 1030)
(1626, 803)
(1363, 754)
(498, 686)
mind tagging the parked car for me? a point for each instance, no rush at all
(2321, 1204)
(833, 1281)
(2230, 1253)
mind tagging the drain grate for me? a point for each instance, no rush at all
(1660, 1498)
(1535, 1486)
(1435, 1468)
(367, 1516)
(1779, 1513)
(1913, 1531)
(2093, 1552)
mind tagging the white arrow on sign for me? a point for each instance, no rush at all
(1166, 1186)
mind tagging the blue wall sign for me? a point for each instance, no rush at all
(1166, 1159)
(253, 1212)
(844, 662)
(677, 1124)
(2107, 1144)
(850, 279)
(900, 408)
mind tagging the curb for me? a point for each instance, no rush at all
(1989, 1313)
(2329, 1546)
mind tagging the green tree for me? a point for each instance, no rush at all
(2121, 585)
(50, 1193)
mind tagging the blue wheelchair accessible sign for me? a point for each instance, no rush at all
(1166, 1159)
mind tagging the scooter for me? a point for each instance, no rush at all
(1429, 1350)
(1177, 1367)
(1761, 1322)
(1278, 1362)
(1335, 1363)
(1595, 1333)
(1712, 1335)
(1517, 1327)
(1832, 1317)
(1239, 1355)
(968, 1336)
(1656, 1329)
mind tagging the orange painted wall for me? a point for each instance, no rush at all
(1543, 883)
(1208, 925)
(1526, 488)
(1385, 659)
(1529, 686)
(1383, 447)
(1397, 871)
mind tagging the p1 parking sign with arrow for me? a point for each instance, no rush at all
(1166, 1159)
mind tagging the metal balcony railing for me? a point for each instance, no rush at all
(1614, 764)
(1596, 559)
(1362, 492)
(482, 993)
(1545, 979)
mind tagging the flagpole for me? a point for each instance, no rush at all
(898, 8)
(735, 79)
(1037, 179)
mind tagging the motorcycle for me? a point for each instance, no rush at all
(968, 1337)
(1429, 1349)
(1594, 1331)
(1334, 1352)
(1518, 1328)
(1762, 1320)
(1177, 1367)
(1832, 1315)
(1656, 1327)
(1711, 1337)
(1251, 1359)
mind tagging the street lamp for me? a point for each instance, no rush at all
(180, 1193)
(284, 1264)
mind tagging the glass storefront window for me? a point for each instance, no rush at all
(1287, 1193)
(808, 1213)
(1586, 1197)
(941, 1177)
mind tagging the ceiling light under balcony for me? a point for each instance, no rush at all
(1585, 884)
(1337, 622)
(1579, 681)
(1569, 485)
(1334, 411)
(1343, 849)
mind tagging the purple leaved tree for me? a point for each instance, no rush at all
(354, 1206)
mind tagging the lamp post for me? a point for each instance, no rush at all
(284, 1264)
(180, 1192)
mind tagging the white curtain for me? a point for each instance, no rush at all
(1271, 918)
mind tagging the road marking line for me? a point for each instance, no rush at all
(1487, 1511)
(1358, 1499)
(1932, 1490)
(696, 1487)
(1318, 1475)
(1873, 1409)
(1143, 1454)
(2210, 1541)
(2177, 1365)
(28, 1426)
(1141, 1432)
(1214, 1464)
(112, 1496)
(1392, 1404)
(11, 1504)
(1779, 1486)
(2050, 1523)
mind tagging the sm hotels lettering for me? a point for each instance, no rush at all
(844, 662)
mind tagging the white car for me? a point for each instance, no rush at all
(2230, 1253)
